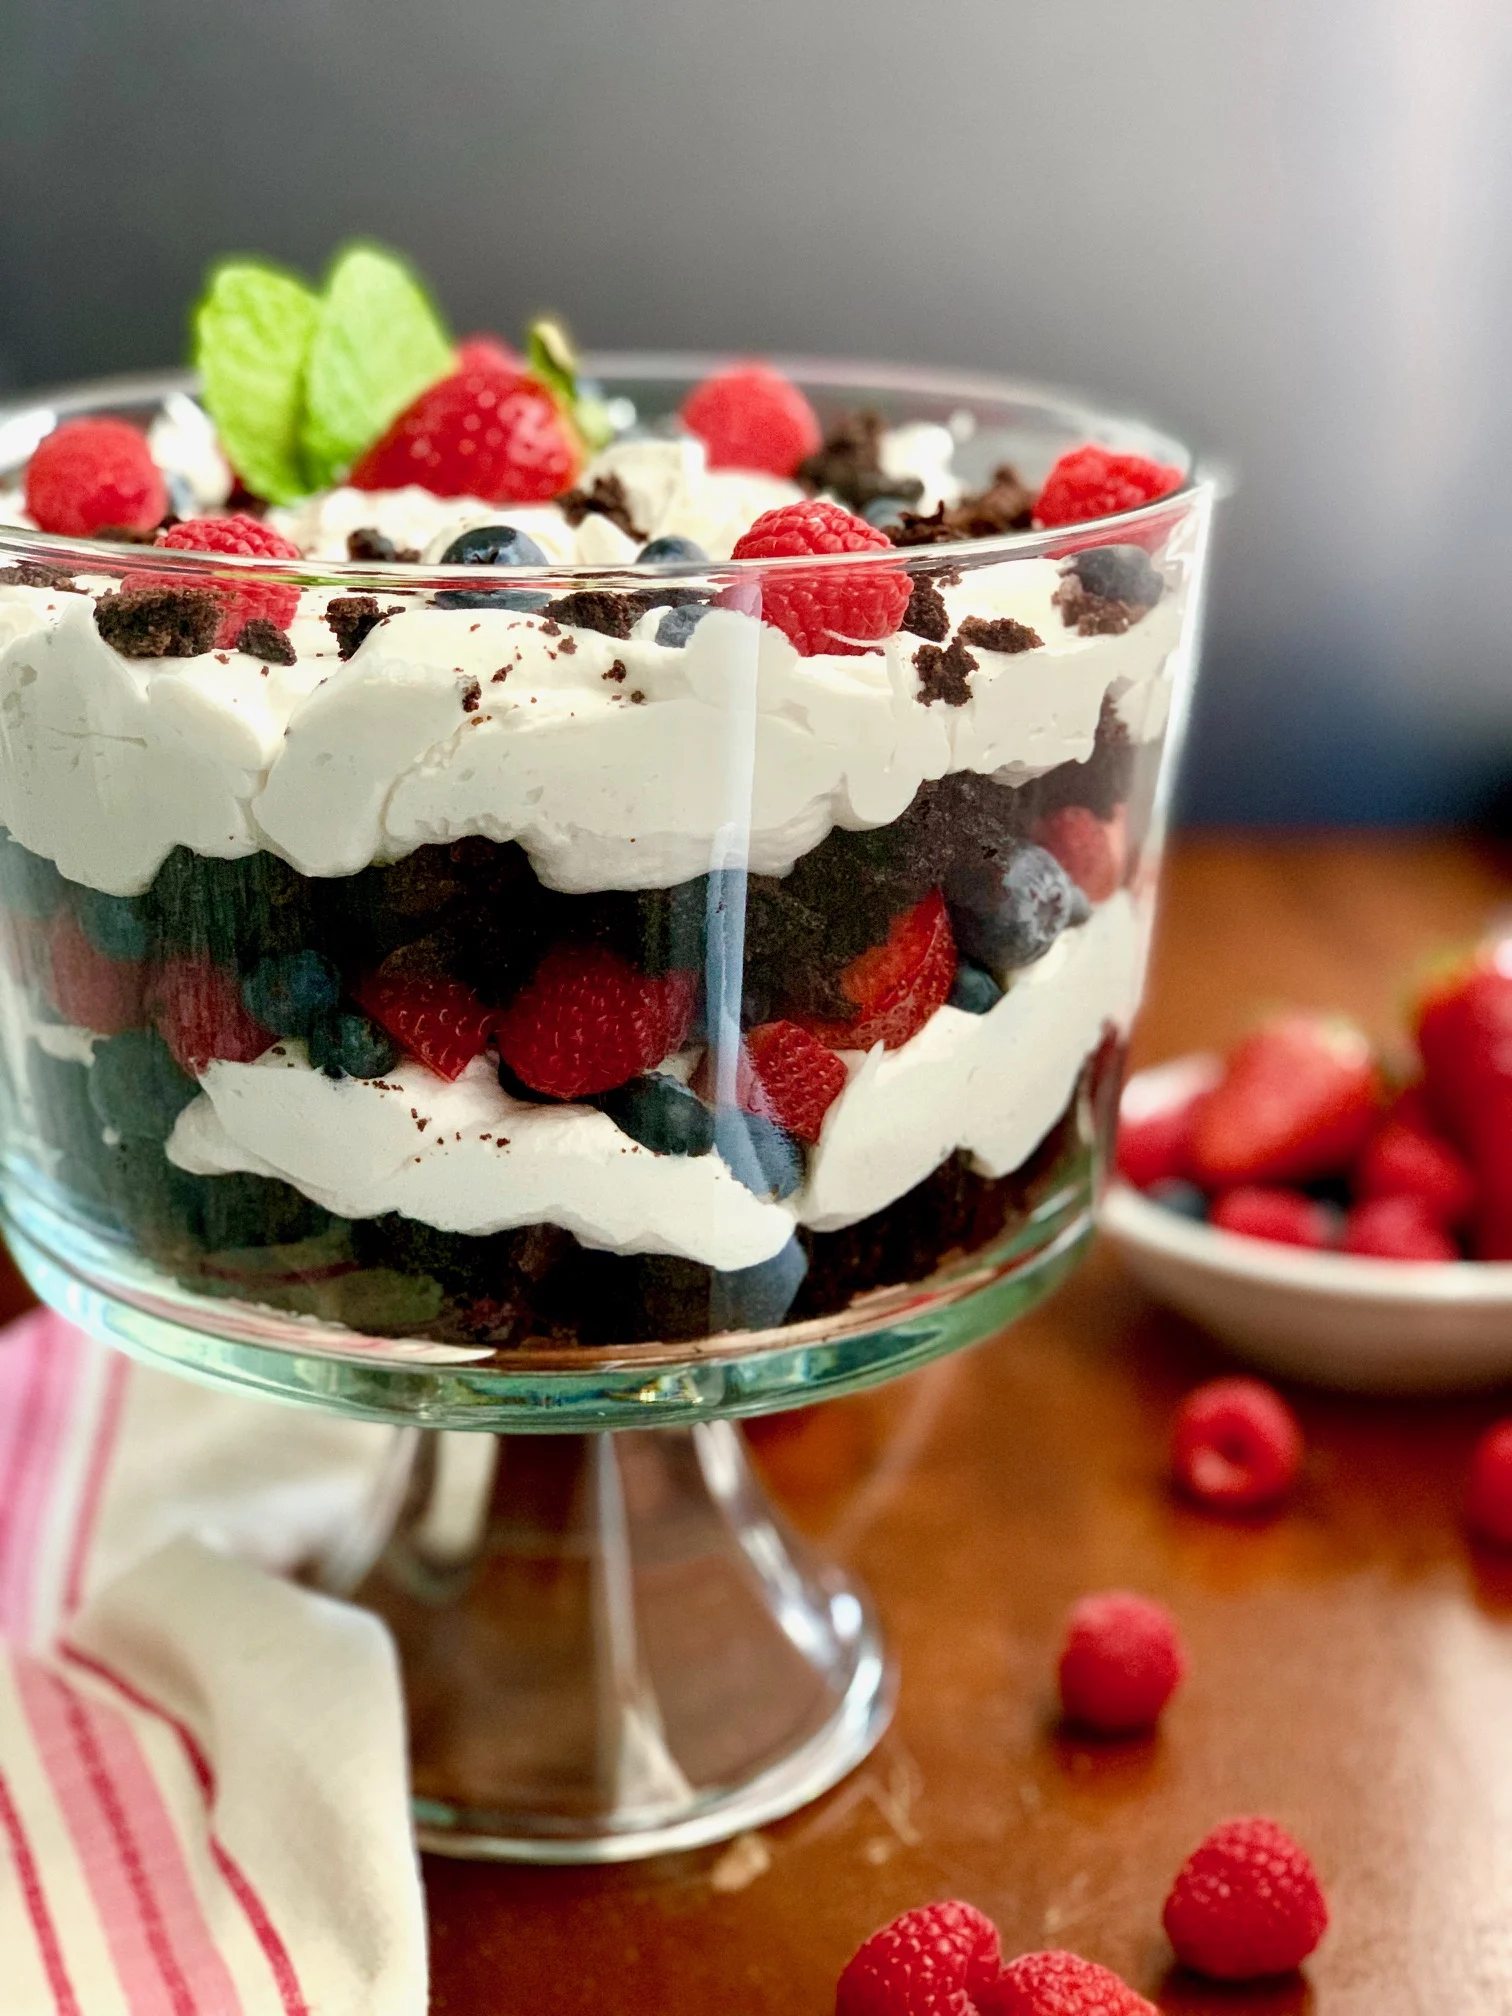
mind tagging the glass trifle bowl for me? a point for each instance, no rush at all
(544, 977)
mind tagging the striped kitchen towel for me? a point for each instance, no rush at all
(202, 1784)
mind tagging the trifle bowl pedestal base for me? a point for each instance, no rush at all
(613, 1647)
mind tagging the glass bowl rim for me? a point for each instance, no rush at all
(856, 376)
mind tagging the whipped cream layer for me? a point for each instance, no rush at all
(465, 1157)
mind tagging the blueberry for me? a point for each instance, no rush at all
(757, 1298)
(292, 992)
(678, 625)
(973, 991)
(759, 1153)
(137, 1088)
(348, 1044)
(118, 926)
(665, 551)
(493, 546)
(1119, 573)
(1009, 911)
(1185, 1199)
(662, 1115)
(884, 511)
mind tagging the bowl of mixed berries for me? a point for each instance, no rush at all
(1328, 1215)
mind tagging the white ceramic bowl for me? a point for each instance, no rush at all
(1333, 1319)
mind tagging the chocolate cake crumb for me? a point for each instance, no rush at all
(567, 648)
(550, 629)
(636, 697)
(472, 694)
(1106, 588)
(1094, 615)
(998, 633)
(926, 614)
(34, 574)
(261, 639)
(616, 672)
(607, 499)
(500, 676)
(849, 465)
(1004, 506)
(598, 609)
(368, 543)
(351, 617)
(159, 622)
(944, 675)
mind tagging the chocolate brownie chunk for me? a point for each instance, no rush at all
(598, 609)
(159, 622)
(998, 633)
(944, 675)
(351, 617)
(849, 465)
(1106, 589)
(261, 639)
(34, 574)
(1004, 506)
(608, 498)
(368, 543)
(1101, 783)
(926, 614)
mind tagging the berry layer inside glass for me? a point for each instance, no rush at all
(482, 929)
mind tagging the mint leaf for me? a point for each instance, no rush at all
(550, 355)
(252, 329)
(378, 343)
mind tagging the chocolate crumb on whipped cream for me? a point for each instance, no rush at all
(158, 622)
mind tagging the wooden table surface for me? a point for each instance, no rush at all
(1351, 1663)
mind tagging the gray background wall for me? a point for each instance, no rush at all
(1279, 225)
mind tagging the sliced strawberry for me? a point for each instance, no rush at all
(1297, 1100)
(89, 989)
(589, 1021)
(197, 1007)
(487, 431)
(1407, 1157)
(433, 1018)
(1397, 1228)
(1093, 851)
(790, 1077)
(1158, 1147)
(1264, 1211)
(898, 985)
(1464, 1033)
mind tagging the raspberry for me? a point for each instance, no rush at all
(793, 1078)
(1157, 1148)
(842, 611)
(92, 476)
(1061, 1984)
(1121, 1662)
(752, 418)
(589, 1021)
(1406, 1158)
(197, 1007)
(487, 431)
(898, 985)
(1236, 1445)
(431, 1017)
(1265, 1211)
(1091, 850)
(1245, 1904)
(1093, 482)
(1396, 1228)
(242, 601)
(1488, 1498)
(936, 1961)
(89, 989)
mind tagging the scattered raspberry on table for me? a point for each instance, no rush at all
(1121, 1662)
(1245, 1904)
(1488, 1499)
(1061, 1984)
(1236, 1446)
(939, 1960)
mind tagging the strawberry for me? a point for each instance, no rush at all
(197, 1007)
(898, 985)
(1297, 1100)
(790, 1077)
(1157, 1148)
(1464, 1034)
(433, 1018)
(490, 351)
(487, 431)
(1407, 1157)
(1285, 1217)
(589, 1021)
(1397, 1228)
(1092, 851)
(89, 989)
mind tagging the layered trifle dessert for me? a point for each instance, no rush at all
(494, 858)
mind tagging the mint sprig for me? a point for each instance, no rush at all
(252, 332)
